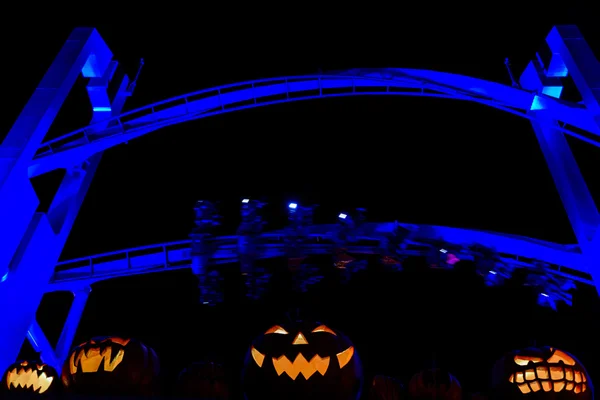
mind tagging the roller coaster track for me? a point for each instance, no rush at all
(560, 260)
(76, 147)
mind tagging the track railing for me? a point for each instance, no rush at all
(177, 255)
(254, 91)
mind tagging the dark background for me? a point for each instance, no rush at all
(407, 159)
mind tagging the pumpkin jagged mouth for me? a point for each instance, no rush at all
(29, 379)
(301, 365)
(549, 376)
(94, 359)
(94, 356)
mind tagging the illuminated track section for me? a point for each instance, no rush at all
(72, 275)
(79, 145)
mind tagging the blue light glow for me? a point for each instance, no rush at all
(102, 109)
(342, 216)
(553, 91)
(537, 103)
(292, 206)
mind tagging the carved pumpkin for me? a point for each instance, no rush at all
(111, 366)
(205, 380)
(386, 388)
(35, 377)
(302, 360)
(434, 384)
(541, 372)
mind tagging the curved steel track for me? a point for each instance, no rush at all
(562, 260)
(76, 147)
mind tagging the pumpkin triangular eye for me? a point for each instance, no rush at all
(323, 328)
(276, 329)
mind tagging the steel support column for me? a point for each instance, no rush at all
(84, 52)
(56, 356)
(40, 343)
(32, 241)
(65, 341)
(570, 184)
(571, 56)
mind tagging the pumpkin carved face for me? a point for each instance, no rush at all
(31, 377)
(98, 355)
(110, 365)
(303, 357)
(543, 371)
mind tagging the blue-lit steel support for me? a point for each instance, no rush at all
(65, 341)
(18, 201)
(57, 356)
(32, 241)
(571, 56)
(40, 343)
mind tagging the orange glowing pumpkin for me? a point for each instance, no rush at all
(302, 360)
(30, 377)
(541, 373)
(111, 366)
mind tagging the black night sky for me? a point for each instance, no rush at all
(413, 160)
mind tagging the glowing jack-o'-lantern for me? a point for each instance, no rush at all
(111, 366)
(302, 360)
(543, 372)
(30, 377)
